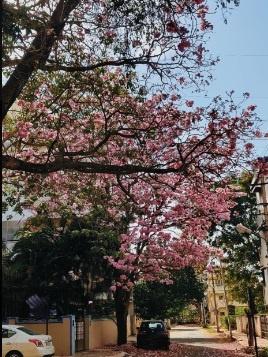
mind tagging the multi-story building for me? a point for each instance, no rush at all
(260, 187)
(9, 229)
(217, 293)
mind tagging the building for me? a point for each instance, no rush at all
(216, 300)
(9, 229)
(260, 187)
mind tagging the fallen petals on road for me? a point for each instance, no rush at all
(180, 350)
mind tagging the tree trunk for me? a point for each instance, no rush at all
(250, 330)
(37, 53)
(121, 307)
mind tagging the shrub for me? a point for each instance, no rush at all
(263, 352)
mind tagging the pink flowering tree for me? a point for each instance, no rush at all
(160, 162)
(93, 124)
(162, 37)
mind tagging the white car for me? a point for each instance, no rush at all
(18, 339)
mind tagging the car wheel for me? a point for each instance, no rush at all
(14, 354)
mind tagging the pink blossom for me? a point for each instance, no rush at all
(113, 288)
(123, 277)
(258, 134)
(136, 43)
(204, 25)
(171, 26)
(189, 103)
(111, 34)
(183, 45)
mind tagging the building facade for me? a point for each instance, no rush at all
(260, 187)
(9, 229)
(216, 294)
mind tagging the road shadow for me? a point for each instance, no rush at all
(199, 339)
(185, 329)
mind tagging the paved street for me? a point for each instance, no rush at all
(198, 336)
(186, 341)
(189, 341)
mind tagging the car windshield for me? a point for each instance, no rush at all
(26, 330)
(152, 326)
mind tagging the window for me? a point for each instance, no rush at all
(26, 330)
(222, 313)
(152, 326)
(220, 297)
(4, 333)
(7, 333)
(218, 282)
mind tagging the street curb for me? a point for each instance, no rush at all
(98, 352)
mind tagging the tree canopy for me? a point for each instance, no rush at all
(65, 263)
(241, 251)
(153, 300)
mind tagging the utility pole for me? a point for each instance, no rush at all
(251, 305)
(226, 301)
(215, 302)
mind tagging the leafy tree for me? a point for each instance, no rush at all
(242, 251)
(62, 264)
(154, 300)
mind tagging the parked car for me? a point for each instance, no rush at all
(153, 334)
(18, 341)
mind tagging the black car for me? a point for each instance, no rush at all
(153, 334)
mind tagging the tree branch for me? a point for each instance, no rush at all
(37, 54)
(12, 163)
(119, 62)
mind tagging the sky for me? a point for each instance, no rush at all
(242, 46)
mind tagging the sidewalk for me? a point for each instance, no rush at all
(242, 338)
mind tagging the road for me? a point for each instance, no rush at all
(186, 341)
(190, 341)
(198, 336)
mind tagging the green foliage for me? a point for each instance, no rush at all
(263, 352)
(160, 301)
(103, 308)
(239, 310)
(242, 262)
(224, 322)
(65, 263)
(189, 314)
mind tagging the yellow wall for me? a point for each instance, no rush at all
(59, 331)
(101, 332)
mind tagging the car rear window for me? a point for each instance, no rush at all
(7, 333)
(26, 330)
(152, 326)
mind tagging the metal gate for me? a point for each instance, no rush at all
(79, 334)
(264, 326)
